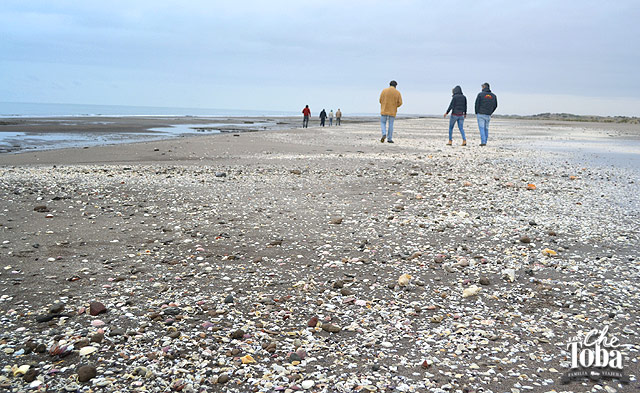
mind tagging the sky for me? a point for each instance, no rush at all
(539, 56)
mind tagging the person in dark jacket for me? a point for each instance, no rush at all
(323, 116)
(458, 109)
(486, 104)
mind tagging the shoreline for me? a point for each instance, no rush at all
(51, 133)
(212, 252)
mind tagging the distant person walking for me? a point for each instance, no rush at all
(330, 117)
(338, 117)
(486, 104)
(306, 112)
(458, 109)
(323, 116)
(390, 101)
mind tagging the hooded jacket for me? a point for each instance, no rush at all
(486, 102)
(323, 114)
(458, 105)
(390, 100)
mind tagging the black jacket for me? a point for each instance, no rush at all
(458, 103)
(486, 102)
(323, 114)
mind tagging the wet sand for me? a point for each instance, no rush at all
(29, 134)
(214, 254)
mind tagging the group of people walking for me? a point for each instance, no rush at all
(391, 99)
(486, 103)
(306, 113)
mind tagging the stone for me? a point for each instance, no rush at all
(30, 375)
(336, 221)
(346, 292)
(97, 308)
(313, 321)
(238, 334)
(228, 299)
(56, 308)
(224, 378)
(525, 239)
(484, 281)
(86, 373)
(97, 338)
(331, 328)
(41, 209)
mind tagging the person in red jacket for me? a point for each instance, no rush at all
(306, 112)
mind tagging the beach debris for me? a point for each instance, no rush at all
(549, 252)
(404, 280)
(509, 274)
(471, 291)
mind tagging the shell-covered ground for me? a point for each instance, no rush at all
(318, 260)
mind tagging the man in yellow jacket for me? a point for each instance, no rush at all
(390, 100)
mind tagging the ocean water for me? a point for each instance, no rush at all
(22, 109)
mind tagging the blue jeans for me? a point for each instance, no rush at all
(330, 121)
(483, 126)
(383, 125)
(452, 122)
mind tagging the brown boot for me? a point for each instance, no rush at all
(464, 143)
(450, 143)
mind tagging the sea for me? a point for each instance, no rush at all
(23, 109)
(14, 140)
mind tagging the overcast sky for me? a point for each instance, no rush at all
(539, 56)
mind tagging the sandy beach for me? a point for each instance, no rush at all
(321, 260)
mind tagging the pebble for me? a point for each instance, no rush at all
(86, 373)
(96, 308)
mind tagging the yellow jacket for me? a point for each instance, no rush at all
(390, 100)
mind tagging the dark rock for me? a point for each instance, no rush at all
(313, 322)
(41, 209)
(224, 378)
(81, 343)
(172, 311)
(238, 334)
(46, 318)
(86, 373)
(96, 308)
(525, 239)
(338, 284)
(30, 375)
(293, 357)
(116, 332)
(484, 281)
(221, 174)
(56, 308)
(97, 338)
(228, 299)
(346, 292)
